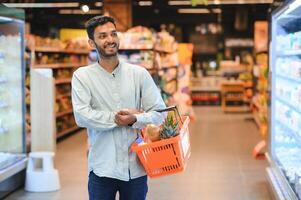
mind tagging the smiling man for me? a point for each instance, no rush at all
(106, 98)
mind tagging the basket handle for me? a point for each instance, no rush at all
(174, 109)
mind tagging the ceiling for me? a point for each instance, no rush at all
(160, 11)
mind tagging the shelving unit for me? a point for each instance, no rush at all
(206, 90)
(13, 158)
(62, 63)
(154, 54)
(260, 100)
(285, 140)
(233, 97)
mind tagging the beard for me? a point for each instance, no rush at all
(102, 51)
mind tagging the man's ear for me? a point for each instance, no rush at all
(91, 43)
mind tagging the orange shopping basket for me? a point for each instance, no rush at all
(167, 156)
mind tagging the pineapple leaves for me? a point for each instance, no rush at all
(170, 127)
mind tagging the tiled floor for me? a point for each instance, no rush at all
(220, 167)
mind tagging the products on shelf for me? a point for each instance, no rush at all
(261, 108)
(142, 58)
(63, 57)
(136, 38)
(3, 129)
(233, 96)
(165, 42)
(155, 52)
(291, 41)
(63, 89)
(63, 73)
(261, 97)
(11, 90)
(289, 67)
(57, 44)
(205, 98)
(63, 104)
(168, 74)
(166, 60)
(65, 122)
(50, 58)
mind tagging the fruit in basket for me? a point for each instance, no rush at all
(152, 132)
(170, 127)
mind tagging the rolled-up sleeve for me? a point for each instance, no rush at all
(85, 116)
(151, 100)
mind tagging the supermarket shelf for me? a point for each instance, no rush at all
(261, 52)
(59, 65)
(13, 169)
(62, 81)
(202, 88)
(289, 53)
(133, 47)
(290, 131)
(247, 100)
(63, 95)
(282, 185)
(66, 131)
(291, 106)
(234, 98)
(66, 112)
(293, 80)
(60, 50)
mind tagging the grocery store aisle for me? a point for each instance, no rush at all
(220, 167)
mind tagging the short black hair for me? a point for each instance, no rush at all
(92, 23)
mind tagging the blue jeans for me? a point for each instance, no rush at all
(103, 188)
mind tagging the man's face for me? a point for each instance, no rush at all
(106, 40)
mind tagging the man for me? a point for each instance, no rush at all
(106, 98)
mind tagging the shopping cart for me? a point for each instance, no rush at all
(166, 156)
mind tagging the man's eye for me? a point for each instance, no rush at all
(114, 34)
(102, 36)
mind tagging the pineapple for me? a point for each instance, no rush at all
(170, 127)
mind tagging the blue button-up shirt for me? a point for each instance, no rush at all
(97, 96)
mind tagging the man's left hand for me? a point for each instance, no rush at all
(123, 119)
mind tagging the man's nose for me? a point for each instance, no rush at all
(110, 38)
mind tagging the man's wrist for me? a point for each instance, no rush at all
(133, 121)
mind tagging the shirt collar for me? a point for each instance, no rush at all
(115, 71)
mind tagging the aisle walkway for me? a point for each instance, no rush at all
(220, 168)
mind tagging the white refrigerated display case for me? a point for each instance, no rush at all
(12, 103)
(284, 155)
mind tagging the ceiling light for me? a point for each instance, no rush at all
(179, 3)
(193, 10)
(220, 2)
(145, 3)
(85, 8)
(42, 5)
(98, 4)
(79, 12)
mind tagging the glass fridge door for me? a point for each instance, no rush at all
(12, 107)
(286, 97)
